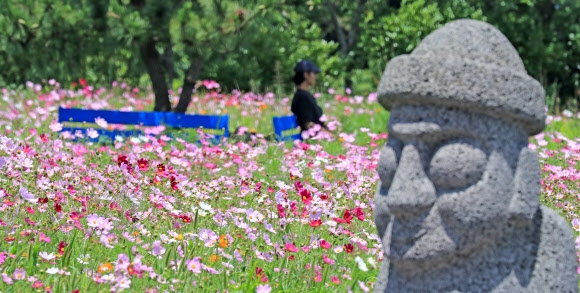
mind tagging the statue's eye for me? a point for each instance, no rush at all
(388, 161)
(457, 165)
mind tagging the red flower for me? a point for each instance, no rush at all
(57, 207)
(359, 213)
(324, 196)
(348, 248)
(173, 183)
(83, 82)
(61, 247)
(315, 223)
(143, 164)
(346, 218)
(30, 210)
(306, 196)
(186, 218)
(43, 200)
(161, 170)
(122, 159)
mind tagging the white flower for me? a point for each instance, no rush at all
(84, 258)
(205, 206)
(92, 133)
(101, 122)
(361, 264)
(372, 262)
(52, 271)
(45, 255)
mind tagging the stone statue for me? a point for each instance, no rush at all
(458, 207)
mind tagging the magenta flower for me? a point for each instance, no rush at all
(291, 247)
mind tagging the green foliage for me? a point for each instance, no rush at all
(399, 33)
(547, 36)
(253, 44)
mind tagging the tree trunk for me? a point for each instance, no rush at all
(154, 66)
(189, 81)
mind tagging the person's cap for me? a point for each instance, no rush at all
(306, 66)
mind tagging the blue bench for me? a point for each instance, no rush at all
(170, 119)
(286, 128)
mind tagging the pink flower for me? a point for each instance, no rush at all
(194, 265)
(263, 289)
(324, 244)
(327, 260)
(93, 220)
(55, 126)
(19, 274)
(2, 258)
(363, 287)
(291, 247)
(101, 122)
(335, 280)
(6, 279)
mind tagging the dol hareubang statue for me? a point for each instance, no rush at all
(458, 204)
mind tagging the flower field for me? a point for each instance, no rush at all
(161, 214)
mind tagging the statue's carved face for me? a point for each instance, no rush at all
(446, 183)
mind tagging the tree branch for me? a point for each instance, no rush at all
(353, 33)
(339, 31)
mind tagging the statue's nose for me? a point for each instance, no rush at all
(411, 192)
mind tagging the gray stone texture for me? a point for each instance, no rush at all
(457, 207)
(466, 64)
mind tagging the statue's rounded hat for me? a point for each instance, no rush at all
(466, 64)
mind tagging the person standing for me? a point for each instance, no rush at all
(304, 106)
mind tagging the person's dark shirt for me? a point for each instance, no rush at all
(306, 109)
